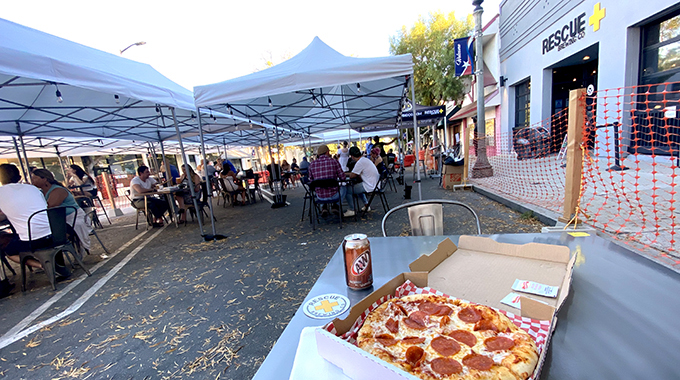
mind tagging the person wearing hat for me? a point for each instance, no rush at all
(366, 170)
(325, 167)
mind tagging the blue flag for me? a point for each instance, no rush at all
(464, 61)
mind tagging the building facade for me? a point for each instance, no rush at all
(550, 47)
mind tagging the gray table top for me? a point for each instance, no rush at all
(619, 321)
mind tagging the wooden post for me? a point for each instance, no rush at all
(576, 124)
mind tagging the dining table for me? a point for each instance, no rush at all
(168, 193)
(619, 320)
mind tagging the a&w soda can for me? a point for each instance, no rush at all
(358, 265)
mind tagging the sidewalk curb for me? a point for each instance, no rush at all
(546, 217)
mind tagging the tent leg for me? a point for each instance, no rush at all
(416, 137)
(187, 169)
(21, 162)
(208, 183)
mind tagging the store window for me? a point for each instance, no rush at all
(661, 57)
(522, 104)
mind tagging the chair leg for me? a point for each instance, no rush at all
(6, 264)
(304, 207)
(48, 266)
(103, 209)
(80, 262)
(23, 274)
(100, 242)
(137, 220)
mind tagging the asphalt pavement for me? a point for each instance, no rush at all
(169, 305)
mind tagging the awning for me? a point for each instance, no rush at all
(471, 109)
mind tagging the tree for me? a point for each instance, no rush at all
(430, 41)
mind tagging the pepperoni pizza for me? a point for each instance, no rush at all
(435, 337)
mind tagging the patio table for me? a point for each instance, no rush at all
(619, 320)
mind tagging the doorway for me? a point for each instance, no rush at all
(576, 71)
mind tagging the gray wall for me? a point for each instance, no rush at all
(524, 20)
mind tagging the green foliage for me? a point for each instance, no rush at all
(529, 215)
(430, 41)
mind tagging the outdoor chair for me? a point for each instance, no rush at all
(228, 195)
(254, 189)
(60, 244)
(86, 204)
(426, 217)
(202, 202)
(96, 197)
(139, 211)
(379, 190)
(307, 198)
(330, 183)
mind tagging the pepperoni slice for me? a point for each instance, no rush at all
(417, 320)
(413, 340)
(386, 339)
(392, 325)
(436, 309)
(445, 346)
(414, 354)
(464, 337)
(478, 362)
(446, 366)
(499, 343)
(469, 315)
(485, 324)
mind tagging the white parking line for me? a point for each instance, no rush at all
(18, 332)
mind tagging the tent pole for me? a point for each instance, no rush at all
(152, 151)
(271, 156)
(415, 137)
(187, 168)
(23, 148)
(168, 172)
(446, 133)
(278, 154)
(208, 182)
(61, 164)
(21, 162)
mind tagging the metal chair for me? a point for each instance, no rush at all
(307, 198)
(139, 211)
(60, 244)
(379, 190)
(329, 183)
(427, 217)
(86, 204)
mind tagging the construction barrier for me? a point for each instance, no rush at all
(631, 141)
(528, 164)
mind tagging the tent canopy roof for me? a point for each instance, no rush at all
(317, 90)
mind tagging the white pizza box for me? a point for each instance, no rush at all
(479, 270)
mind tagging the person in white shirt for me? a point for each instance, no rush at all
(18, 202)
(364, 169)
(143, 184)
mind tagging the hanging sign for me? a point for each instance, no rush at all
(463, 51)
(425, 113)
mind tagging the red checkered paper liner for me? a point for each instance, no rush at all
(538, 330)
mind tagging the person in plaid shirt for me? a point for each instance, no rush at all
(325, 167)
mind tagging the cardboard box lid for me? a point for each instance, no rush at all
(482, 270)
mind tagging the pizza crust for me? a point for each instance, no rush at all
(427, 316)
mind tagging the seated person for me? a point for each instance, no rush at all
(18, 201)
(366, 170)
(285, 173)
(85, 184)
(304, 169)
(227, 165)
(143, 184)
(272, 176)
(325, 167)
(377, 160)
(58, 195)
(183, 196)
(232, 184)
(174, 174)
(391, 159)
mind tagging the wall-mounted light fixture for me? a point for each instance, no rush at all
(503, 80)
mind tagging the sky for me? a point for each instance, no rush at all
(201, 42)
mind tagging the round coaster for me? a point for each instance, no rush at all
(326, 306)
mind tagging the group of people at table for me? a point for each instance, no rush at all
(359, 174)
(18, 201)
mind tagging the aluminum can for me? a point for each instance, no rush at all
(358, 264)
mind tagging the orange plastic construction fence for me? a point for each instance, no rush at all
(631, 142)
(528, 164)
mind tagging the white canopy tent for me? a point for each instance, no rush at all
(316, 91)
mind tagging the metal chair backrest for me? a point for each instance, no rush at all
(58, 225)
(327, 183)
(427, 217)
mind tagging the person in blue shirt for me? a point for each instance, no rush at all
(227, 164)
(174, 173)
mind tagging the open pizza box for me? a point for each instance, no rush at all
(479, 270)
